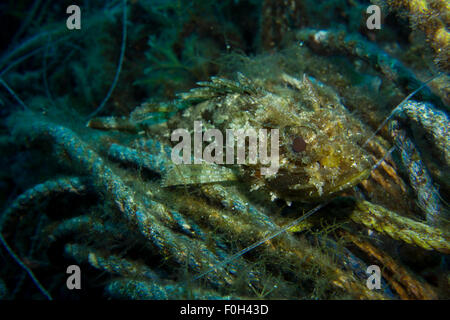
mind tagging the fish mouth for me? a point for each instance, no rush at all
(311, 194)
(352, 181)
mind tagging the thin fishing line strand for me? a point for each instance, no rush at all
(398, 107)
(23, 266)
(256, 244)
(119, 67)
(15, 96)
(30, 54)
(388, 153)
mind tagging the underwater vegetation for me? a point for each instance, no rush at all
(87, 176)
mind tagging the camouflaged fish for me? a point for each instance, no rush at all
(319, 141)
(319, 152)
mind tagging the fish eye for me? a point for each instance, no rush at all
(298, 144)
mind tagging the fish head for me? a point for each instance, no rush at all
(320, 151)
